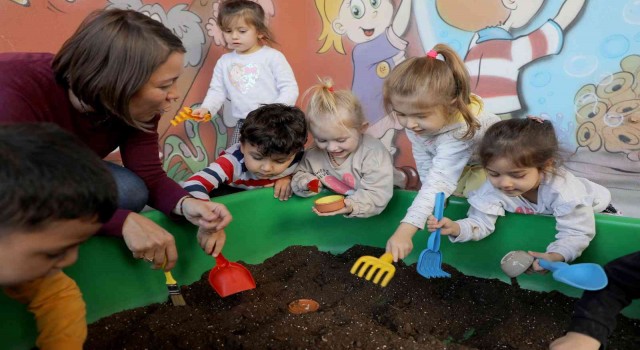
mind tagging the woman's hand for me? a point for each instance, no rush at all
(447, 226)
(211, 242)
(207, 215)
(147, 240)
(346, 210)
(401, 243)
(535, 267)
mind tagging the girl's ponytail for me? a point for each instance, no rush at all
(461, 98)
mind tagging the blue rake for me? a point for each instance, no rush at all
(430, 260)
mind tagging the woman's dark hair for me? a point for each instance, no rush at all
(111, 56)
(48, 174)
(252, 13)
(275, 129)
(526, 142)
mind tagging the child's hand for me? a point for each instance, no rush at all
(535, 267)
(401, 244)
(314, 185)
(211, 242)
(199, 113)
(447, 226)
(282, 188)
(346, 210)
(574, 340)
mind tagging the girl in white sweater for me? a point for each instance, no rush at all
(521, 159)
(430, 96)
(253, 74)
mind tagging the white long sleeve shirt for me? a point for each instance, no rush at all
(251, 80)
(572, 200)
(440, 160)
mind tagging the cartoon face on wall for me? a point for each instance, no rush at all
(608, 120)
(363, 20)
(376, 31)
(608, 114)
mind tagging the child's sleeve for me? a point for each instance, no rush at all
(439, 173)
(221, 171)
(285, 80)
(595, 313)
(481, 218)
(302, 177)
(216, 93)
(376, 184)
(60, 312)
(576, 228)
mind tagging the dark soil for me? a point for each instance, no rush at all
(412, 312)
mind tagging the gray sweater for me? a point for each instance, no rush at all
(365, 177)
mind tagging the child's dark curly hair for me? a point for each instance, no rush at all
(527, 142)
(275, 129)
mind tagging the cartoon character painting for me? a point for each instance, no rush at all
(182, 22)
(608, 133)
(495, 57)
(376, 31)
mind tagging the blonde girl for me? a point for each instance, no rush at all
(521, 159)
(430, 97)
(252, 74)
(343, 159)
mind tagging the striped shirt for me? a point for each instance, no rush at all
(495, 58)
(229, 168)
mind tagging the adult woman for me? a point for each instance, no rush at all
(109, 84)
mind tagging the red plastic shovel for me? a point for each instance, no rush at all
(228, 278)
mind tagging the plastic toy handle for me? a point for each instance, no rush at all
(169, 278)
(167, 274)
(314, 185)
(551, 265)
(387, 257)
(221, 261)
(438, 212)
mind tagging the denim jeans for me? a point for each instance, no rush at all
(132, 191)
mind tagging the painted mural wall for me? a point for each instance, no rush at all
(574, 62)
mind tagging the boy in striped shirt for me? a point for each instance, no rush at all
(271, 145)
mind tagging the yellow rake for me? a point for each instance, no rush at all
(375, 266)
(185, 114)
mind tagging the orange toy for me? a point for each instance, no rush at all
(185, 114)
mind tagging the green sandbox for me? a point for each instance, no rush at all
(111, 280)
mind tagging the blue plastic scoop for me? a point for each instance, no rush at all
(587, 276)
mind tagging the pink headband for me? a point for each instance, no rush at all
(536, 119)
(432, 53)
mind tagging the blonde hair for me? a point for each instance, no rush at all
(328, 11)
(434, 83)
(325, 105)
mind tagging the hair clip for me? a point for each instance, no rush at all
(330, 89)
(536, 119)
(432, 54)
